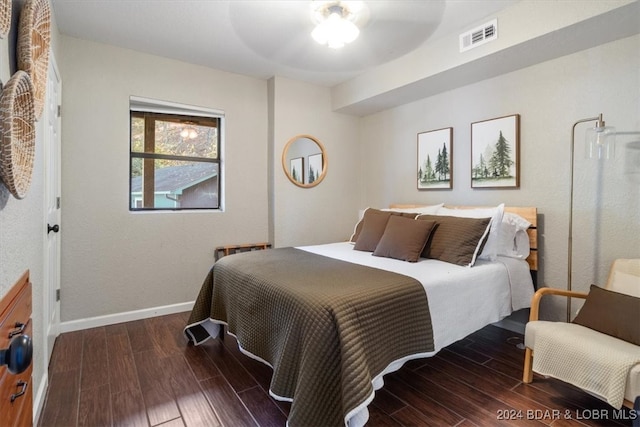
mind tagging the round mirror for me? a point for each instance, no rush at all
(304, 161)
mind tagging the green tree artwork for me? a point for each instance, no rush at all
(494, 152)
(434, 159)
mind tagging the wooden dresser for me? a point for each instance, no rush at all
(16, 391)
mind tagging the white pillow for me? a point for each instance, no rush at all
(355, 227)
(513, 240)
(490, 250)
(422, 210)
(513, 243)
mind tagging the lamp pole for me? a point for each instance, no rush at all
(599, 124)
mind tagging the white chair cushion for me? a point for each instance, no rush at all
(624, 277)
(625, 283)
(595, 338)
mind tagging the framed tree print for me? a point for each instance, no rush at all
(435, 159)
(297, 169)
(495, 153)
(314, 162)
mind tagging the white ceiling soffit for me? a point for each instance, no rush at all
(617, 23)
(266, 38)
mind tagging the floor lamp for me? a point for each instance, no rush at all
(600, 145)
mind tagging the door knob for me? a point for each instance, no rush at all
(55, 228)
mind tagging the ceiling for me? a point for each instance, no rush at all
(267, 38)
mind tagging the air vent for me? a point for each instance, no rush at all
(478, 36)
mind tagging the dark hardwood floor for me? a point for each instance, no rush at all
(143, 373)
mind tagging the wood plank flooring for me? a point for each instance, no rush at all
(143, 373)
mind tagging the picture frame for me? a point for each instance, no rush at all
(435, 159)
(314, 168)
(495, 152)
(296, 167)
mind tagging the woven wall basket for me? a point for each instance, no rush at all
(5, 17)
(17, 145)
(34, 38)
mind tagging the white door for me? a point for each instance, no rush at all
(51, 125)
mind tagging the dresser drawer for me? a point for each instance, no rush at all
(17, 314)
(13, 385)
(16, 390)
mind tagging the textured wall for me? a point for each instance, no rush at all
(324, 213)
(550, 97)
(116, 261)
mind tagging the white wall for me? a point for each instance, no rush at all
(114, 260)
(327, 212)
(549, 97)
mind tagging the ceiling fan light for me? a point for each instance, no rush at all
(346, 30)
(335, 30)
(320, 34)
(354, 6)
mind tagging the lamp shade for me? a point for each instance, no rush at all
(600, 142)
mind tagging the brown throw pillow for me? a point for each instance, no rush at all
(373, 224)
(456, 240)
(611, 313)
(404, 238)
(372, 211)
(370, 229)
(360, 224)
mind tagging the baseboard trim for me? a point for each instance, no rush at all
(40, 396)
(128, 316)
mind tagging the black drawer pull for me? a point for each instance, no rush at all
(18, 355)
(19, 328)
(22, 391)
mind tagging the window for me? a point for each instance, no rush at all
(174, 158)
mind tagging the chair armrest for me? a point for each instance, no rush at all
(535, 300)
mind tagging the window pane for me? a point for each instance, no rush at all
(186, 139)
(137, 134)
(136, 167)
(176, 185)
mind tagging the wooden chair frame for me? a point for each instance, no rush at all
(527, 372)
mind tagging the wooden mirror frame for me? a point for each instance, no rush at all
(286, 167)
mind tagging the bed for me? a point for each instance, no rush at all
(333, 319)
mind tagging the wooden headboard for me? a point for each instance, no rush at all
(528, 213)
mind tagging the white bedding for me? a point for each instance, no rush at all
(461, 299)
